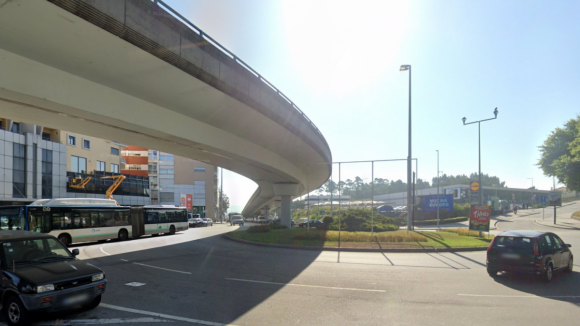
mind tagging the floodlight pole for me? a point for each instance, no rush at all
(437, 189)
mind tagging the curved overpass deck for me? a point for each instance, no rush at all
(127, 70)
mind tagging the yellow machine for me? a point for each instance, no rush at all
(118, 180)
(78, 182)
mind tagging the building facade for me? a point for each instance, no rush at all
(173, 175)
(32, 163)
(135, 161)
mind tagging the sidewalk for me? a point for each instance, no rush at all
(562, 222)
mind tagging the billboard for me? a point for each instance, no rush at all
(183, 200)
(479, 218)
(189, 202)
(429, 203)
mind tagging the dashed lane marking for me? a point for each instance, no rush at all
(165, 269)
(304, 285)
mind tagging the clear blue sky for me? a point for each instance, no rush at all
(339, 62)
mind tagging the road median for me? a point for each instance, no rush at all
(454, 240)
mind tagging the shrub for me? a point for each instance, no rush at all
(461, 231)
(317, 235)
(327, 220)
(277, 226)
(259, 229)
(442, 221)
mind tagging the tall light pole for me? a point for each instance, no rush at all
(409, 204)
(495, 112)
(437, 188)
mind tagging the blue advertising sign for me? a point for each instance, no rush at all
(429, 203)
(322, 212)
(543, 200)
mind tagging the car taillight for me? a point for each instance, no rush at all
(536, 249)
(490, 244)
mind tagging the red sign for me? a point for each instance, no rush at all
(479, 218)
(189, 202)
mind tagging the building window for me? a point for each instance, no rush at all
(165, 171)
(153, 155)
(166, 157)
(46, 173)
(72, 140)
(153, 168)
(86, 144)
(115, 151)
(78, 164)
(114, 168)
(46, 136)
(198, 169)
(19, 171)
(16, 127)
(134, 167)
(101, 166)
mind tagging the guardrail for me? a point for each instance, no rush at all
(236, 59)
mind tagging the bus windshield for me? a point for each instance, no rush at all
(12, 218)
(40, 222)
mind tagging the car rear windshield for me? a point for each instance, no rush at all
(513, 242)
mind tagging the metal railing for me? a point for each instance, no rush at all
(236, 59)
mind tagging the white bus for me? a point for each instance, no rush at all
(85, 219)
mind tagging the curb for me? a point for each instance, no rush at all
(556, 226)
(413, 250)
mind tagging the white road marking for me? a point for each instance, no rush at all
(520, 296)
(165, 269)
(143, 312)
(303, 285)
(103, 321)
(135, 284)
(103, 251)
(124, 259)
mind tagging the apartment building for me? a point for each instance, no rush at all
(99, 159)
(135, 161)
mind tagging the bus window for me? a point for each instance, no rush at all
(162, 216)
(40, 222)
(81, 219)
(11, 219)
(95, 221)
(152, 218)
(107, 219)
(122, 218)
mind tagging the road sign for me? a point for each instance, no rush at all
(554, 198)
(322, 212)
(474, 186)
(543, 200)
(479, 218)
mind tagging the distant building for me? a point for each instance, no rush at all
(135, 161)
(173, 175)
(461, 194)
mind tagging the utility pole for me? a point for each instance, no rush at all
(437, 188)
(222, 194)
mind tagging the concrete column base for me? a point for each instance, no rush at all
(285, 210)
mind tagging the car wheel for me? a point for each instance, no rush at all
(172, 230)
(492, 272)
(549, 273)
(155, 235)
(15, 312)
(64, 240)
(570, 265)
(123, 235)
(93, 304)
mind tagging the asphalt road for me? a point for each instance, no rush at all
(197, 277)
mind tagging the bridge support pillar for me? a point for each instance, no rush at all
(286, 191)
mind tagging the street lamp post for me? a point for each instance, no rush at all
(409, 204)
(437, 188)
(495, 112)
(532, 181)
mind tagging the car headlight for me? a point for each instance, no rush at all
(98, 277)
(44, 288)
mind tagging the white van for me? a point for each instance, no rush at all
(303, 220)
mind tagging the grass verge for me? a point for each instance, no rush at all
(400, 239)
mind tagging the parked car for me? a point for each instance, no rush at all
(34, 279)
(208, 222)
(237, 219)
(313, 224)
(531, 252)
(195, 222)
(262, 219)
(385, 209)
